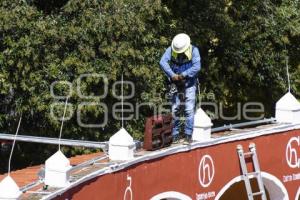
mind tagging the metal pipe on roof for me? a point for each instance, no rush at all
(244, 124)
(48, 140)
(87, 163)
(29, 186)
(66, 142)
(104, 145)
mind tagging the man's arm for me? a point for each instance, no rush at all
(164, 63)
(191, 72)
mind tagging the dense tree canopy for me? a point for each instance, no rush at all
(244, 46)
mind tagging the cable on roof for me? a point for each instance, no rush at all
(62, 124)
(13, 146)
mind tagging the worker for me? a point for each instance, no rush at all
(181, 64)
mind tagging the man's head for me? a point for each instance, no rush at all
(181, 47)
(180, 43)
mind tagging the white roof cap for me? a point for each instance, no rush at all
(288, 102)
(122, 138)
(58, 161)
(9, 189)
(202, 119)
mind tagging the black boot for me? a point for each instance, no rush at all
(187, 139)
(175, 139)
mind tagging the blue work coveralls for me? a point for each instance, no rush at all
(189, 70)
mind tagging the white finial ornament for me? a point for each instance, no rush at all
(121, 146)
(9, 189)
(202, 126)
(56, 170)
(288, 109)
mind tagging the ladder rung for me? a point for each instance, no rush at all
(250, 153)
(253, 174)
(257, 193)
(256, 173)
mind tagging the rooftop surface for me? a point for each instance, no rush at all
(86, 167)
(30, 175)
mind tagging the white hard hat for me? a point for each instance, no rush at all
(181, 43)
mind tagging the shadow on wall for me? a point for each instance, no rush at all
(235, 189)
(238, 191)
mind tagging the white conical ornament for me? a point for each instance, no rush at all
(57, 170)
(9, 189)
(202, 126)
(121, 146)
(288, 109)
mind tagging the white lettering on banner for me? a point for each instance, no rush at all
(291, 153)
(206, 171)
(205, 195)
(292, 177)
(128, 191)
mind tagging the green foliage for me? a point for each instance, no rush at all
(40, 45)
(244, 47)
(46, 41)
(243, 44)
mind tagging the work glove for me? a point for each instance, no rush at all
(179, 81)
(177, 77)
